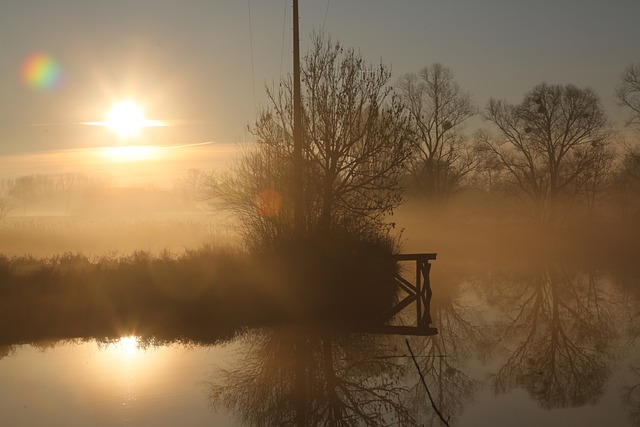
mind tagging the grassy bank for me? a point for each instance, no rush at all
(201, 295)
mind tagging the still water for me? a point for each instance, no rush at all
(525, 345)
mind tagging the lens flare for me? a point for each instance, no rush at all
(40, 71)
(268, 203)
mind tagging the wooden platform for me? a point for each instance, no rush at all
(417, 293)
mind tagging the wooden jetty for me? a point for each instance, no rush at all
(418, 292)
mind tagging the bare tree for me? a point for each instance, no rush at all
(628, 179)
(355, 148)
(628, 92)
(627, 184)
(548, 142)
(594, 184)
(5, 199)
(438, 107)
(25, 189)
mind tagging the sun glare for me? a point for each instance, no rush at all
(128, 345)
(127, 119)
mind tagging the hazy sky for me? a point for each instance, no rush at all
(203, 64)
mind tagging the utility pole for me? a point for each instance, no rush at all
(298, 206)
(298, 201)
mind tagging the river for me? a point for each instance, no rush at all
(525, 345)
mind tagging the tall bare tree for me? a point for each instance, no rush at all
(546, 143)
(627, 185)
(628, 92)
(355, 148)
(438, 107)
(628, 179)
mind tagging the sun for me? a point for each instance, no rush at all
(127, 119)
(128, 345)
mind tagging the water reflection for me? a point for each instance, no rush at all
(444, 357)
(559, 327)
(567, 336)
(631, 395)
(553, 331)
(299, 377)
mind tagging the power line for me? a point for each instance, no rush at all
(326, 12)
(253, 73)
(284, 25)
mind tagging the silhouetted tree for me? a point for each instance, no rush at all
(355, 147)
(626, 185)
(546, 143)
(597, 181)
(438, 107)
(628, 92)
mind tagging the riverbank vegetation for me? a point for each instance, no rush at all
(204, 294)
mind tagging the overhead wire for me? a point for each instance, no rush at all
(284, 30)
(253, 72)
(326, 12)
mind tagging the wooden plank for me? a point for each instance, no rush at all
(405, 285)
(414, 257)
(398, 307)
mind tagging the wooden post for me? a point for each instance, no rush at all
(297, 190)
(418, 292)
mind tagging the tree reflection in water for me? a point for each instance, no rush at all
(298, 377)
(555, 332)
(444, 357)
(303, 377)
(560, 329)
(628, 279)
(631, 396)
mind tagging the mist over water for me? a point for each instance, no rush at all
(499, 232)
(532, 319)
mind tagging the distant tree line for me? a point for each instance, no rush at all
(22, 194)
(555, 152)
(369, 145)
(73, 193)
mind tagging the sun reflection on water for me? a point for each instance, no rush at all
(128, 345)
